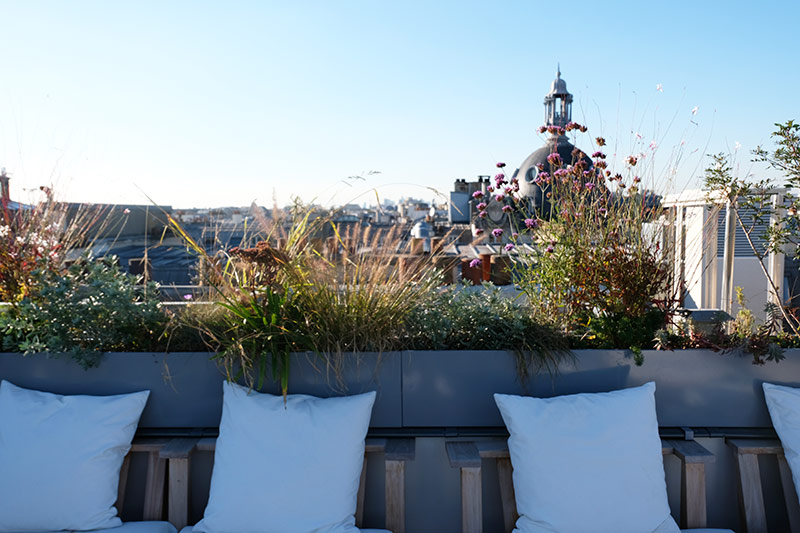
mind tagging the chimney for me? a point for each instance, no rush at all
(5, 196)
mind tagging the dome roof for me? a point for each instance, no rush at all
(558, 86)
(528, 170)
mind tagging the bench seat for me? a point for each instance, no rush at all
(467, 457)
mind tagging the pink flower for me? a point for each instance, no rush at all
(481, 206)
(482, 214)
(475, 263)
(478, 231)
(497, 232)
(187, 296)
(126, 211)
(500, 165)
(590, 186)
(531, 223)
(477, 194)
(500, 197)
(550, 249)
(515, 235)
(508, 247)
(554, 159)
(507, 209)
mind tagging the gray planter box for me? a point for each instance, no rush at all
(447, 389)
(186, 388)
(697, 388)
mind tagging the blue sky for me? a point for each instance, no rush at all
(223, 103)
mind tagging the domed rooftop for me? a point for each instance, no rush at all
(528, 170)
(558, 112)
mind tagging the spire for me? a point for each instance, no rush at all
(558, 73)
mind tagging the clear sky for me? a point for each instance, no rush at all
(223, 103)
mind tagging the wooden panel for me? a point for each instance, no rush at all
(507, 497)
(693, 495)
(179, 448)
(789, 494)
(400, 449)
(207, 444)
(493, 449)
(463, 455)
(755, 446)
(751, 499)
(362, 489)
(395, 496)
(471, 504)
(690, 451)
(154, 487)
(123, 483)
(178, 498)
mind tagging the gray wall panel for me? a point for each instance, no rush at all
(186, 388)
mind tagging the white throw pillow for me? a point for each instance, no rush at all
(60, 458)
(289, 467)
(784, 409)
(587, 462)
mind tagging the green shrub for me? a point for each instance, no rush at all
(89, 308)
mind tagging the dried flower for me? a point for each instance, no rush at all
(600, 141)
(631, 160)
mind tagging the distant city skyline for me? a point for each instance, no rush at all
(208, 105)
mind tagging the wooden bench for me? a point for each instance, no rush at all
(396, 452)
(468, 456)
(751, 498)
(154, 482)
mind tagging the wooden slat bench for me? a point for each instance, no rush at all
(468, 457)
(154, 482)
(751, 498)
(396, 452)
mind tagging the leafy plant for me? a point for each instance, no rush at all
(90, 308)
(594, 267)
(461, 318)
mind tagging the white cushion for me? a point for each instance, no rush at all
(784, 409)
(131, 527)
(60, 458)
(588, 462)
(289, 467)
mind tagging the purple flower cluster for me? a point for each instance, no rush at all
(475, 263)
(555, 159)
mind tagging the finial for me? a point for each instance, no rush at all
(558, 74)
